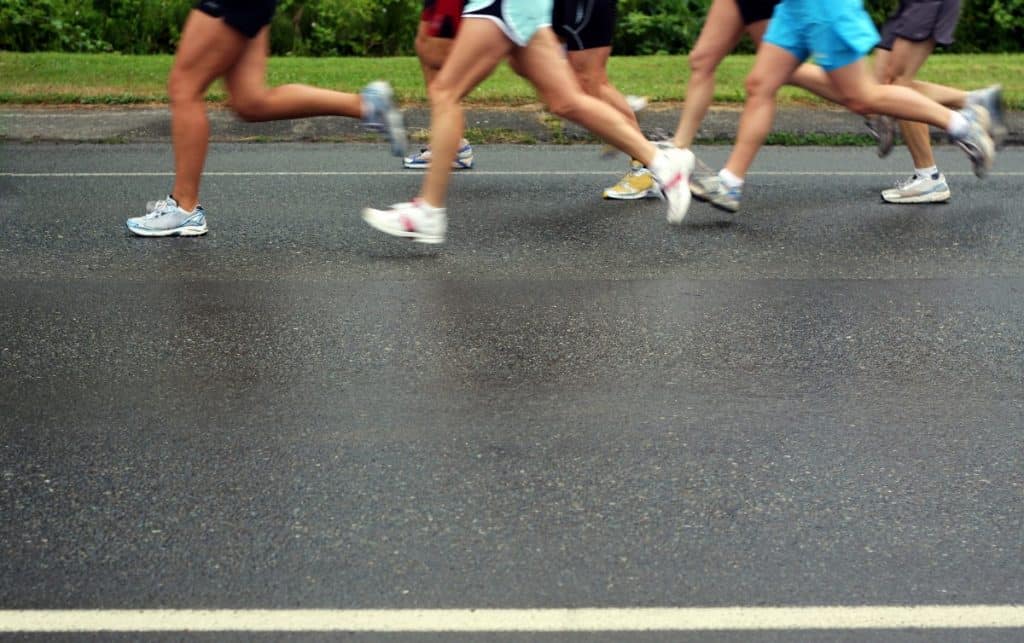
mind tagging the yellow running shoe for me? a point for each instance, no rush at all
(637, 184)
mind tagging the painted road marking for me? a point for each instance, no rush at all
(688, 619)
(58, 175)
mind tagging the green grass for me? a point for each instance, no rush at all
(111, 79)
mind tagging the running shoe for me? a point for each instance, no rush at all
(421, 160)
(638, 183)
(415, 220)
(166, 219)
(382, 115)
(701, 173)
(976, 142)
(919, 189)
(883, 128)
(991, 98)
(717, 194)
(674, 168)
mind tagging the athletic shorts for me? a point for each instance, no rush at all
(920, 20)
(442, 17)
(756, 10)
(834, 32)
(519, 19)
(245, 16)
(584, 24)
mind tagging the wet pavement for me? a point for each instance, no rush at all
(569, 404)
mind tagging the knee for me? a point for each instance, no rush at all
(248, 107)
(859, 103)
(441, 95)
(702, 62)
(565, 105)
(759, 87)
(591, 81)
(181, 89)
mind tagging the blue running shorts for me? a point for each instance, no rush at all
(518, 19)
(834, 33)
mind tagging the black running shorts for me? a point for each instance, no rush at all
(584, 24)
(244, 16)
(920, 20)
(756, 10)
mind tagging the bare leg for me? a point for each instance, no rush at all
(475, 53)
(862, 94)
(431, 51)
(722, 31)
(772, 68)
(254, 101)
(903, 64)
(591, 69)
(551, 76)
(208, 48)
(948, 96)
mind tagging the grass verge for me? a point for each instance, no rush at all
(112, 79)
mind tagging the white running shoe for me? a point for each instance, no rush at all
(421, 160)
(672, 169)
(382, 115)
(701, 173)
(919, 189)
(166, 219)
(991, 98)
(976, 142)
(416, 220)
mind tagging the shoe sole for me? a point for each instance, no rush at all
(188, 231)
(649, 194)
(457, 165)
(724, 208)
(419, 237)
(934, 197)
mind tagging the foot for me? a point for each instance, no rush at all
(638, 183)
(918, 189)
(991, 98)
(672, 169)
(976, 142)
(717, 194)
(381, 115)
(701, 173)
(883, 128)
(421, 160)
(416, 220)
(166, 219)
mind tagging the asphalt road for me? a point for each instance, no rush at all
(569, 404)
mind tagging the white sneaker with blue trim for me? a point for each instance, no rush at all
(166, 219)
(919, 189)
(382, 115)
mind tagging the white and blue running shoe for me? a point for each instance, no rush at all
(715, 192)
(382, 115)
(421, 160)
(166, 219)
(919, 189)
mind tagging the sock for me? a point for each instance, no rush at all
(729, 179)
(958, 126)
(927, 172)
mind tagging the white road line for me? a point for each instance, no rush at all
(29, 175)
(690, 619)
